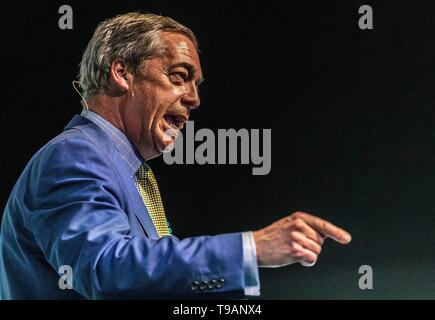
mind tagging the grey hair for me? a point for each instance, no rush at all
(132, 37)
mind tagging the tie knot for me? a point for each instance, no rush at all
(144, 172)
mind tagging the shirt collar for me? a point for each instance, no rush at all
(127, 150)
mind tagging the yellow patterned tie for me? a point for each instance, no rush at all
(147, 185)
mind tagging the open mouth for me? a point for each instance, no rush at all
(175, 121)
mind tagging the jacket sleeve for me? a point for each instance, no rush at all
(77, 220)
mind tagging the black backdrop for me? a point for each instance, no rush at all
(351, 114)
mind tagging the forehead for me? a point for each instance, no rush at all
(180, 49)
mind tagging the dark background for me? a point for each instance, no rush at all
(351, 113)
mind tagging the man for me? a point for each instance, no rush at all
(87, 202)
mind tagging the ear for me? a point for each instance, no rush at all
(121, 78)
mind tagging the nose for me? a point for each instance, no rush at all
(191, 98)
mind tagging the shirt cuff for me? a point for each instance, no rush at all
(250, 266)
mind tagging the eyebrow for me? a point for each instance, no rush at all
(191, 69)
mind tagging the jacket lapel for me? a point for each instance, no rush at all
(135, 202)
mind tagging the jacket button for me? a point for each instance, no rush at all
(212, 284)
(194, 286)
(220, 283)
(203, 285)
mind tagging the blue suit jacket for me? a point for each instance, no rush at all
(76, 204)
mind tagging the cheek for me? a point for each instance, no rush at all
(171, 95)
(149, 106)
(157, 101)
(178, 91)
(166, 101)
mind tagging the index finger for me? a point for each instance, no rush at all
(328, 229)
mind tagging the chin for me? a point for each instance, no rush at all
(166, 143)
(154, 150)
(164, 137)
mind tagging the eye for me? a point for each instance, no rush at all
(177, 78)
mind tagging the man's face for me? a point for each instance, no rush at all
(160, 100)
